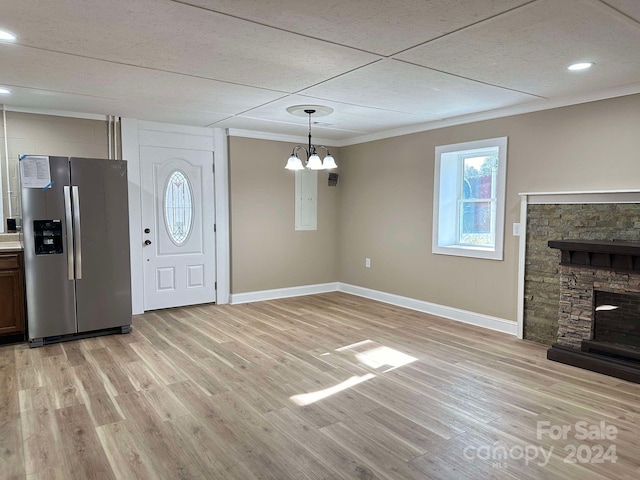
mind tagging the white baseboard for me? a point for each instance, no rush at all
(464, 316)
(274, 294)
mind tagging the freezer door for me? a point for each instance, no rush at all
(49, 273)
(101, 223)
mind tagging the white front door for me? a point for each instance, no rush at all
(178, 227)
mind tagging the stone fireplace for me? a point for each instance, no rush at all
(599, 310)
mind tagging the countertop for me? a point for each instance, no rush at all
(10, 242)
(10, 247)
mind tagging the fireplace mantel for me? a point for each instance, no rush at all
(610, 255)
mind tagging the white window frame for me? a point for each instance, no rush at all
(446, 198)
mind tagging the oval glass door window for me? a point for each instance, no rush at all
(178, 207)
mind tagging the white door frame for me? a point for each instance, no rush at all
(140, 132)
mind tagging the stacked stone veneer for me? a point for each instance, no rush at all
(542, 264)
(576, 311)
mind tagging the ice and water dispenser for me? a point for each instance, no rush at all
(47, 236)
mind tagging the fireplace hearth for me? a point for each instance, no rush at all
(599, 310)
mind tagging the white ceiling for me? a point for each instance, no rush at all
(384, 67)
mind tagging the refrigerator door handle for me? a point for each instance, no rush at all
(69, 226)
(76, 229)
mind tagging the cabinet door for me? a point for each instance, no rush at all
(11, 302)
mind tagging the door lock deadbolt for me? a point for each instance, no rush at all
(146, 230)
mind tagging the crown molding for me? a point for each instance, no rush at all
(279, 137)
(55, 113)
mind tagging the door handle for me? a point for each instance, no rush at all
(68, 223)
(147, 242)
(75, 195)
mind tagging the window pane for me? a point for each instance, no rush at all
(479, 177)
(178, 210)
(476, 226)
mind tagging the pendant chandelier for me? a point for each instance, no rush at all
(313, 161)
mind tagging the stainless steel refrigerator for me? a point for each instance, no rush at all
(76, 248)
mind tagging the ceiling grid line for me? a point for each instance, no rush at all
(461, 29)
(469, 78)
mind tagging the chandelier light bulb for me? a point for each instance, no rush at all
(314, 163)
(329, 163)
(294, 163)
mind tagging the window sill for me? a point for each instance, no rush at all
(468, 251)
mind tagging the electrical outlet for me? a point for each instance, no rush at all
(367, 262)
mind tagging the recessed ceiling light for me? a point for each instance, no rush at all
(7, 36)
(4, 91)
(580, 66)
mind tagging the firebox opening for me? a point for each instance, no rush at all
(619, 325)
(616, 326)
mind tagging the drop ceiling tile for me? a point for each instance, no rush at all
(377, 26)
(630, 8)
(175, 37)
(82, 76)
(529, 49)
(401, 87)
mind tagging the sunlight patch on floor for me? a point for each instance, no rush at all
(308, 398)
(375, 358)
(380, 356)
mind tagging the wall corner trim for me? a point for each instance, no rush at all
(486, 321)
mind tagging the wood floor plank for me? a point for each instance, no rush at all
(153, 437)
(9, 391)
(125, 453)
(41, 441)
(420, 437)
(12, 462)
(113, 376)
(334, 455)
(57, 473)
(438, 468)
(83, 453)
(203, 447)
(389, 465)
(140, 375)
(158, 363)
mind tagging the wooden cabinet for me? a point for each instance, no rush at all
(12, 308)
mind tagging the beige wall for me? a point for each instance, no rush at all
(266, 251)
(48, 135)
(386, 198)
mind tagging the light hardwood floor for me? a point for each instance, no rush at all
(320, 387)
